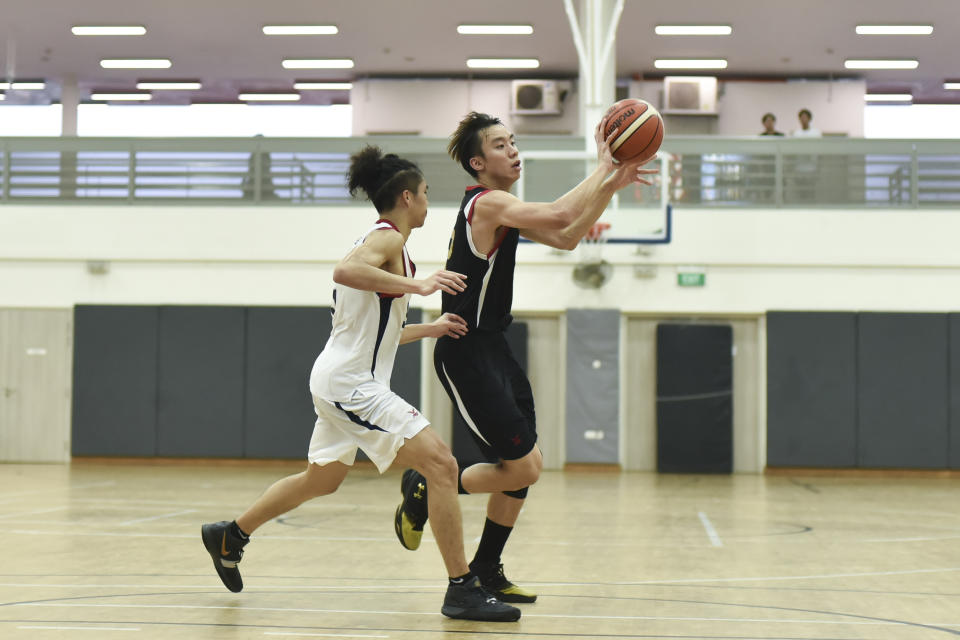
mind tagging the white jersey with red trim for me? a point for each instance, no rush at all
(365, 335)
(487, 301)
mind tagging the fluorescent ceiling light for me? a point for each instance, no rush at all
(153, 63)
(2, 97)
(692, 30)
(888, 97)
(109, 31)
(880, 64)
(269, 97)
(169, 86)
(894, 30)
(503, 63)
(23, 86)
(951, 86)
(114, 97)
(322, 86)
(495, 29)
(328, 63)
(300, 30)
(690, 64)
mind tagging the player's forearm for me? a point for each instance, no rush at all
(569, 237)
(414, 332)
(574, 202)
(359, 275)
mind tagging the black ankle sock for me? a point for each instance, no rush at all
(492, 541)
(460, 488)
(460, 580)
(237, 532)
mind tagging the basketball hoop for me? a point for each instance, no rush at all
(592, 271)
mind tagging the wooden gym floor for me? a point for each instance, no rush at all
(113, 551)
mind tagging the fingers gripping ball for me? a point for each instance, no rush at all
(639, 129)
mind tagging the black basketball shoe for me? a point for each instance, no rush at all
(493, 580)
(411, 515)
(226, 550)
(470, 601)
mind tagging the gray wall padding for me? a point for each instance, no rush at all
(954, 387)
(204, 381)
(405, 379)
(281, 345)
(593, 392)
(902, 391)
(200, 381)
(114, 381)
(811, 389)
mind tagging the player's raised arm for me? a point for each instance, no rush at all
(589, 199)
(363, 268)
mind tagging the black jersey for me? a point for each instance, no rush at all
(487, 300)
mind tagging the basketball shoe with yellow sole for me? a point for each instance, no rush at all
(411, 515)
(492, 578)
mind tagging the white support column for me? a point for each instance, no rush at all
(594, 33)
(69, 101)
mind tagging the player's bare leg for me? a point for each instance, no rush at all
(289, 493)
(506, 475)
(225, 541)
(435, 466)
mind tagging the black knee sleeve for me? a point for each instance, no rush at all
(519, 493)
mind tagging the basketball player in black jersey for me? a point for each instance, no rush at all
(479, 373)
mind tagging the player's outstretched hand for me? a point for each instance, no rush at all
(443, 280)
(632, 172)
(604, 154)
(449, 324)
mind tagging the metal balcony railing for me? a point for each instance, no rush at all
(700, 171)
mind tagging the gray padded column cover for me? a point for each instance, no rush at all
(593, 385)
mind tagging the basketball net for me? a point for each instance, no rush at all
(591, 245)
(592, 272)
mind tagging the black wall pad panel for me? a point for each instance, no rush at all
(694, 398)
(281, 346)
(593, 386)
(811, 389)
(902, 391)
(465, 447)
(201, 382)
(114, 380)
(954, 389)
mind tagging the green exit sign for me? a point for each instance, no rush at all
(691, 279)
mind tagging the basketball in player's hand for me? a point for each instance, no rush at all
(639, 129)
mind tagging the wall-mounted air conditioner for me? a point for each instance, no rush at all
(536, 97)
(690, 95)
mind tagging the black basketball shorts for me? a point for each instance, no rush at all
(491, 392)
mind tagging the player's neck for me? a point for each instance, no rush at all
(495, 183)
(398, 220)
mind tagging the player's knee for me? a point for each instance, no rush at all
(440, 467)
(529, 472)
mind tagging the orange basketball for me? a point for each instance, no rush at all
(639, 129)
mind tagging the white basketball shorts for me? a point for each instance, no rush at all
(375, 419)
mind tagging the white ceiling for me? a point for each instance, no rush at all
(220, 41)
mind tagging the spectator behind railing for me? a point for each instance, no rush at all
(805, 130)
(770, 125)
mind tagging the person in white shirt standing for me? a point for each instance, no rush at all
(350, 385)
(805, 130)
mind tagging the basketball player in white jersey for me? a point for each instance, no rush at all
(479, 373)
(350, 384)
